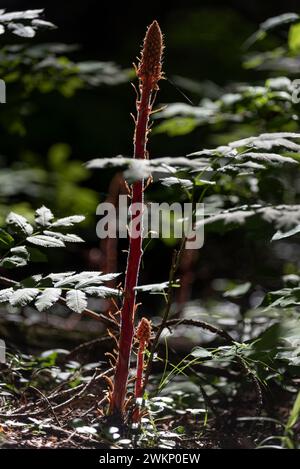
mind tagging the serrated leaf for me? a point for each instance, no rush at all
(171, 181)
(89, 281)
(68, 238)
(19, 223)
(5, 294)
(47, 298)
(46, 241)
(21, 30)
(21, 15)
(43, 216)
(76, 300)
(269, 158)
(23, 296)
(68, 221)
(18, 258)
(96, 279)
(20, 251)
(102, 292)
(153, 287)
(266, 141)
(139, 169)
(82, 276)
(282, 216)
(59, 276)
(281, 235)
(109, 277)
(270, 24)
(43, 24)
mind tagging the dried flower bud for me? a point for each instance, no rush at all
(150, 66)
(143, 331)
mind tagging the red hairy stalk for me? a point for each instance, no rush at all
(143, 335)
(149, 72)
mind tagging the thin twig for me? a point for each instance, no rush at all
(202, 325)
(45, 398)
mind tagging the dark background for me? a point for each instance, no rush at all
(203, 42)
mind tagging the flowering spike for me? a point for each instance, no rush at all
(143, 335)
(143, 332)
(149, 73)
(150, 65)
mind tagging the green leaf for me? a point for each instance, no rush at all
(36, 255)
(270, 24)
(23, 296)
(281, 235)
(171, 181)
(47, 298)
(43, 216)
(46, 241)
(102, 292)
(20, 30)
(68, 221)
(239, 290)
(108, 277)
(76, 300)
(177, 126)
(294, 415)
(68, 238)
(58, 155)
(21, 15)
(5, 294)
(294, 38)
(19, 258)
(6, 240)
(153, 287)
(200, 352)
(57, 277)
(85, 279)
(279, 20)
(19, 224)
(43, 24)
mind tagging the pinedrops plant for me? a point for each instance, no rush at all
(143, 336)
(225, 179)
(149, 72)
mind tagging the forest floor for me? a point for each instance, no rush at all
(57, 399)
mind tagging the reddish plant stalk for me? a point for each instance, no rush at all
(138, 391)
(143, 335)
(149, 73)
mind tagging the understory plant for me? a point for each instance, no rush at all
(227, 179)
(260, 344)
(149, 72)
(23, 242)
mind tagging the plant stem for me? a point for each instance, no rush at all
(149, 73)
(133, 261)
(138, 392)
